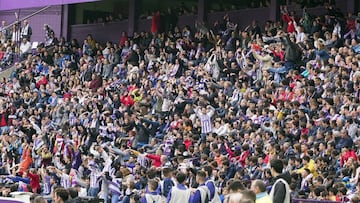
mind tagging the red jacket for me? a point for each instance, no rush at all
(95, 84)
(123, 39)
(280, 54)
(346, 156)
(267, 159)
(2, 55)
(67, 96)
(155, 22)
(187, 143)
(156, 160)
(34, 181)
(3, 119)
(290, 22)
(286, 96)
(43, 81)
(243, 157)
(127, 100)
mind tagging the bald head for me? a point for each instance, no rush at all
(245, 196)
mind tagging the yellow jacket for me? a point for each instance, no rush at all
(136, 98)
(311, 166)
(263, 198)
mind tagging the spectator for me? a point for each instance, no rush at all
(179, 192)
(26, 31)
(280, 191)
(155, 22)
(39, 199)
(60, 195)
(5, 32)
(259, 188)
(25, 48)
(123, 39)
(49, 35)
(187, 101)
(245, 196)
(151, 195)
(8, 57)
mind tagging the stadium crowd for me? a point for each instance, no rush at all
(212, 114)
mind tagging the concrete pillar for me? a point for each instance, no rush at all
(274, 10)
(350, 6)
(134, 9)
(201, 17)
(64, 31)
(357, 7)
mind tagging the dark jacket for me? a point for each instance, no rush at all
(142, 134)
(153, 126)
(292, 51)
(166, 186)
(280, 190)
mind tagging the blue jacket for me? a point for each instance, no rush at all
(18, 179)
(211, 186)
(196, 198)
(166, 186)
(345, 142)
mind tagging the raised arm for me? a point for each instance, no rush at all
(212, 110)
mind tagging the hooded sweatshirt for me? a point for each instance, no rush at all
(281, 191)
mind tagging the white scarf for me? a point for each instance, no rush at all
(25, 30)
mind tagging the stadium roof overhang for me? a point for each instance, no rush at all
(21, 4)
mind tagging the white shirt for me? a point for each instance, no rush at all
(15, 36)
(25, 48)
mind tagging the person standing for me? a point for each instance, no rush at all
(5, 32)
(94, 180)
(115, 186)
(151, 195)
(280, 191)
(155, 22)
(202, 193)
(167, 183)
(49, 35)
(210, 184)
(34, 180)
(179, 193)
(205, 114)
(26, 31)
